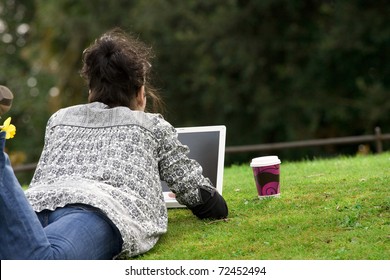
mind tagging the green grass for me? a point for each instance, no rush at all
(329, 209)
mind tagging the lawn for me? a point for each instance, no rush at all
(329, 209)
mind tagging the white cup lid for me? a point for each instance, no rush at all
(265, 161)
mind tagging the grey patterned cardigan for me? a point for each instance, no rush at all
(113, 159)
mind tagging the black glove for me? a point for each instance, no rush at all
(213, 207)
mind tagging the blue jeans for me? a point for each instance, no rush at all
(72, 232)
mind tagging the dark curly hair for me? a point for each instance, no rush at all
(115, 67)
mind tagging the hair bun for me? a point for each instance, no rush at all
(108, 48)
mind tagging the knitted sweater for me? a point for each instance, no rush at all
(113, 159)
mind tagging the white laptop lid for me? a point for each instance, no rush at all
(207, 146)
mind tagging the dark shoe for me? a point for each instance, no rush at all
(6, 98)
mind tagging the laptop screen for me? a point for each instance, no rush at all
(207, 147)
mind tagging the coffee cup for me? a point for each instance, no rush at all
(266, 171)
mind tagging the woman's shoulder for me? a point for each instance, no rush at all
(72, 115)
(157, 124)
(99, 115)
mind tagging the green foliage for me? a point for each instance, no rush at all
(29, 111)
(328, 209)
(271, 71)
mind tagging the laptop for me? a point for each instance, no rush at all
(207, 147)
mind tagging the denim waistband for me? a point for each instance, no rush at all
(84, 207)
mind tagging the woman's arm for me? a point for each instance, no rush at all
(184, 177)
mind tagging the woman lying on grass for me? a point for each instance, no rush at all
(96, 191)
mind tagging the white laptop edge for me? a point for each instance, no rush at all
(171, 202)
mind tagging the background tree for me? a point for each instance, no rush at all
(28, 112)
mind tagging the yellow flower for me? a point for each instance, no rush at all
(10, 129)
